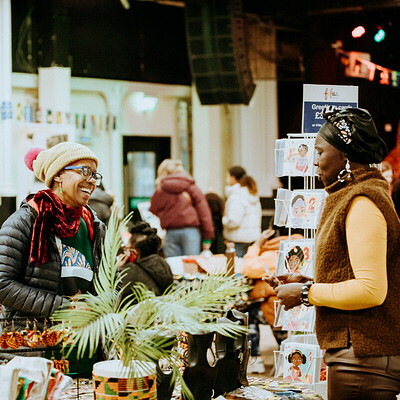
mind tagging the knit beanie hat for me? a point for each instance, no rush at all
(47, 163)
(353, 131)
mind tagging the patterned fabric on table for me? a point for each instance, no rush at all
(142, 388)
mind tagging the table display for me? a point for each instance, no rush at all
(84, 389)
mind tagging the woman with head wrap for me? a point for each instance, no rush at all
(357, 275)
(50, 247)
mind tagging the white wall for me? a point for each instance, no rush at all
(101, 96)
(222, 135)
(237, 135)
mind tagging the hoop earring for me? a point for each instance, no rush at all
(345, 173)
(59, 187)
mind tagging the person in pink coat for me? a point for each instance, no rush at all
(183, 210)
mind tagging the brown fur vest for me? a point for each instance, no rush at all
(372, 331)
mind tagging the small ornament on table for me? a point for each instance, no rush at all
(4, 336)
(14, 339)
(34, 337)
(25, 333)
(49, 337)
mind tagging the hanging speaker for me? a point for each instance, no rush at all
(217, 48)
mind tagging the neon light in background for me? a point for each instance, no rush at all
(358, 31)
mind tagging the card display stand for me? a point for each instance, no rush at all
(299, 358)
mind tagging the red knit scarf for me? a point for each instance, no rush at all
(55, 217)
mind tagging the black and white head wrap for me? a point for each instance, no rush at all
(353, 131)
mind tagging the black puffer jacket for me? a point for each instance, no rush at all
(25, 289)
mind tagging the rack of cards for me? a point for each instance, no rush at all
(299, 358)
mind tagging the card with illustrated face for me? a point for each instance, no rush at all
(305, 208)
(294, 157)
(297, 319)
(301, 362)
(296, 256)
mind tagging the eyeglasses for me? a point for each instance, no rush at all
(87, 173)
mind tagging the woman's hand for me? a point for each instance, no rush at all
(123, 259)
(265, 235)
(289, 294)
(276, 280)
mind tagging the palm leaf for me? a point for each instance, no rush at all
(139, 328)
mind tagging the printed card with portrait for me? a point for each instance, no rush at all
(300, 318)
(296, 256)
(294, 157)
(305, 208)
(301, 362)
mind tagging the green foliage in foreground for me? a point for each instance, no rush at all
(140, 328)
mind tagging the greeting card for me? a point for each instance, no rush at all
(294, 157)
(296, 256)
(305, 208)
(300, 318)
(301, 362)
(282, 205)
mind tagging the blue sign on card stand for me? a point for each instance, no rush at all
(317, 97)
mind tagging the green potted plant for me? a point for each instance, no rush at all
(139, 330)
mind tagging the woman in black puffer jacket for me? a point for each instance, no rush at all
(50, 247)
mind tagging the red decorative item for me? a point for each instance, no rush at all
(3, 337)
(30, 157)
(3, 340)
(393, 158)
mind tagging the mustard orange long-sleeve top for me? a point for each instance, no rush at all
(366, 235)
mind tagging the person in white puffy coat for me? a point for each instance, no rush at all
(242, 219)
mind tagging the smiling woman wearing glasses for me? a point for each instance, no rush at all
(50, 247)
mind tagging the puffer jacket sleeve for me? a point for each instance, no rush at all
(203, 211)
(156, 202)
(234, 212)
(15, 240)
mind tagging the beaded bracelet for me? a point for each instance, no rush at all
(304, 293)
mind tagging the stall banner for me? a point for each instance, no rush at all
(317, 97)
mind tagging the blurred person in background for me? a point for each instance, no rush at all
(260, 262)
(394, 184)
(142, 261)
(242, 219)
(387, 172)
(50, 247)
(183, 210)
(217, 205)
(234, 175)
(101, 202)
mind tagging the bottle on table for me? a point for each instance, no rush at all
(230, 258)
(206, 252)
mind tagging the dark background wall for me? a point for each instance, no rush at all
(100, 39)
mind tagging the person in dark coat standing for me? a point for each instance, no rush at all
(101, 202)
(183, 210)
(217, 206)
(143, 262)
(50, 247)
